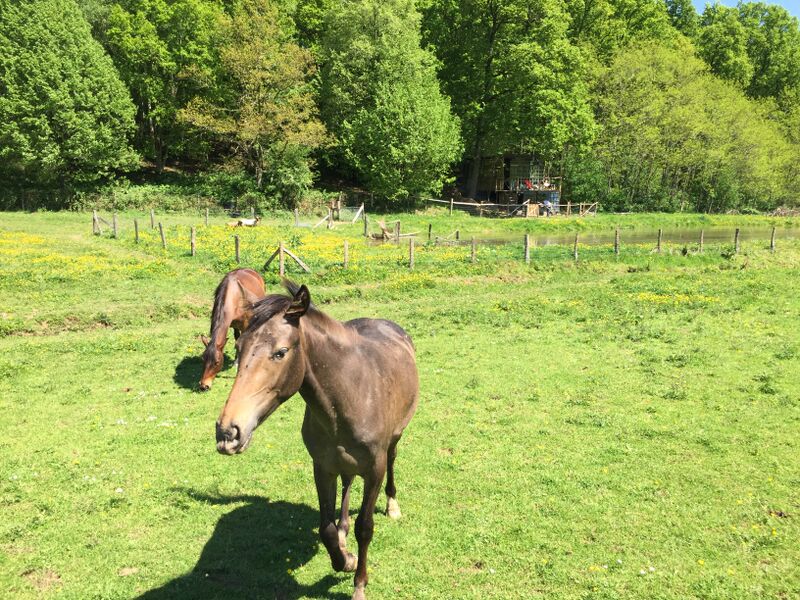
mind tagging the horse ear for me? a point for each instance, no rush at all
(205, 340)
(299, 304)
(249, 297)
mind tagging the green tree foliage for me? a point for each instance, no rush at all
(677, 137)
(381, 99)
(683, 17)
(265, 113)
(722, 43)
(65, 117)
(516, 81)
(166, 52)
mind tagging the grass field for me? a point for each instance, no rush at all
(615, 428)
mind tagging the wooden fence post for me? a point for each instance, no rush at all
(616, 241)
(192, 243)
(95, 223)
(736, 241)
(114, 224)
(575, 248)
(430, 227)
(451, 206)
(702, 238)
(163, 239)
(330, 219)
(136, 230)
(397, 230)
(658, 243)
(527, 244)
(474, 251)
(296, 218)
(366, 226)
(281, 260)
(252, 212)
(206, 217)
(569, 208)
(152, 219)
(772, 241)
(236, 247)
(458, 235)
(411, 253)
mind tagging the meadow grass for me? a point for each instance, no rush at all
(615, 428)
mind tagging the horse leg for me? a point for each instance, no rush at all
(365, 526)
(343, 526)
(392, 507)
(236, 334)
(326, 492)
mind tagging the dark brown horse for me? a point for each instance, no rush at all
(233, 302)
(359, 381)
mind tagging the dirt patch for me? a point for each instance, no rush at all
(127, 571)
(43, 579)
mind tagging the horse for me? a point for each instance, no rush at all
(233, 301)
(360, 385)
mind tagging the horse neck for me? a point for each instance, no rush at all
(324, 340)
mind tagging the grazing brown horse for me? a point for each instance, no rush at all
(359, 381)
(233, 301)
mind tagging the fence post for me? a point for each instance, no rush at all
(206, 217)
(366, 227)
(736, 241)
(658, 243)
(346, 251)
(136, 230)
(114, 224)
(192, 242)
(458, 235)
(569, 208)
(152, 219)
(95, 223)
(702, 238)
(411, 253)
(252, 212)
(430, 227)
(296, 218)
(474, 250)
(772, 241)
(575, 248)
(330, 219)
(527, 249)
(451, 206)
(236, 247)
(281, 260)
(616, 241)
(163, 239)
(397, 230)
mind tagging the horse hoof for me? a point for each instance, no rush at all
(350, 563)
(393, 508)
(359, 594)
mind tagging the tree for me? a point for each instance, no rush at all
(265, 113)
(674, 136)
(722, 43)
(65, 117)
(516, 81)
(166, 52)
(381, 99)
(684, 17)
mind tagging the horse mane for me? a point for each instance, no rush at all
(217, 315)
(268, 307)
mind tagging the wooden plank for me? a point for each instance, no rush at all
(291, 255)
(325, 218)
(271, 258)
(358, 213)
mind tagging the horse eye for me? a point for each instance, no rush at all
(280, 354)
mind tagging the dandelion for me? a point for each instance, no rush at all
(651, 569)
(701, 562)
(642, 572)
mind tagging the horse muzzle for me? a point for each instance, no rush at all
(229, 439)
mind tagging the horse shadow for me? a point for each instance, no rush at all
(190, 369)
(251, 554)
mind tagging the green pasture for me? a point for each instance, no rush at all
(612, 428)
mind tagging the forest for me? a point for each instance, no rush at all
(641, 105)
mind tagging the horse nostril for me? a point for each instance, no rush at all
(204, 387)
(234, 433)
(228, 434)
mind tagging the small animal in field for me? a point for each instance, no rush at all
(360, 385)
(245, 222)
(233, 302)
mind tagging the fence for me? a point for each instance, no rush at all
(521, 209)
(436, 253)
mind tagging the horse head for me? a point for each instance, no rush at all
(271, 368)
